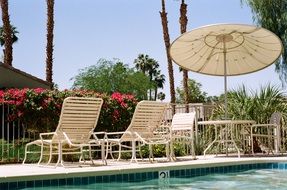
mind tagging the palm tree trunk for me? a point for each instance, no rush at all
(150, 90)
(183, 23)
(155, 93)
(50, 37)
(8, 52)
(164, 22)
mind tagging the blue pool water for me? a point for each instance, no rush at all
(246, 180)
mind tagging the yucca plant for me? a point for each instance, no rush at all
(254, 105)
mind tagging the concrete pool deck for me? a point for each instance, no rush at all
(19, 172)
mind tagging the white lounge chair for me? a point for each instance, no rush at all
(182, 127)
(78, 119)
(145, 128)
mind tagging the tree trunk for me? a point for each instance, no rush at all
(164, 22)
(155, 94)
(8, 52)
(183, 23)
(150, 90)
(50, 37)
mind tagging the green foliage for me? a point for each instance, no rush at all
(8, 151)
(161, 96)
(39, 109)
(195, 93)
(14, 35)
(272, 15)
(149, 67)
(112, 76)
(256, 106)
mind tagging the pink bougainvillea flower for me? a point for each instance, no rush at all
(39, 90)
(123, 104)
(117, 96)
(2, 96)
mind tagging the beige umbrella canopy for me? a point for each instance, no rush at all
(226, 50)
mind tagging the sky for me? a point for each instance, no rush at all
(87, 30)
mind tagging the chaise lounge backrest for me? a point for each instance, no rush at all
(78, 119)
(148, 115)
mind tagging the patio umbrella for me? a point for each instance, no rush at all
(226, 50)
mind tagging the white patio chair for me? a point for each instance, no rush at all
(268, 136)
(182, 127)
(145, 128)
(78, 119)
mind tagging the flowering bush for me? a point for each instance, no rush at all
(39, 109)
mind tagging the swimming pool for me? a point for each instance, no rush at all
(240, 176)
(249, 180)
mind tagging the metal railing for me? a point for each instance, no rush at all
(203, 111)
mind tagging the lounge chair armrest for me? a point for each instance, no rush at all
(44, 136)
(116, 133)
(47, 134)
(112, 135)
(102, 133)
(138, 137)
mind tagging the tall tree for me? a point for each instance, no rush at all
(164, 23)
(8, 52)
(196, 95)
(142, 63)
(149, 67)
(14, 35)
(159, 80)
(113, 76)
(272, 15)
(183, 23)
(50, 37)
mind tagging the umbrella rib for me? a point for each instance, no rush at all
(208, 57)
(195, 53)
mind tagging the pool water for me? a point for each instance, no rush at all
(248, 180)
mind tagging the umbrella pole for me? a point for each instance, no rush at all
(225, 80)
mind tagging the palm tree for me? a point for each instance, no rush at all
(148, 66)
(141, 63)
(50, 36)
(14, 36)
(183, 23)
(8, 52)
(159, 82)
(164, 23)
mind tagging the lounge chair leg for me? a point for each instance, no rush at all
(50, 155)
(107, 151)
(41, 156)
(60, 159)
(151, 158)
(90, 154)
(103, 156)
(133, 152)
(120, 152)
(172, 155)
(140, 151)
(25, 157)
(167, 152)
